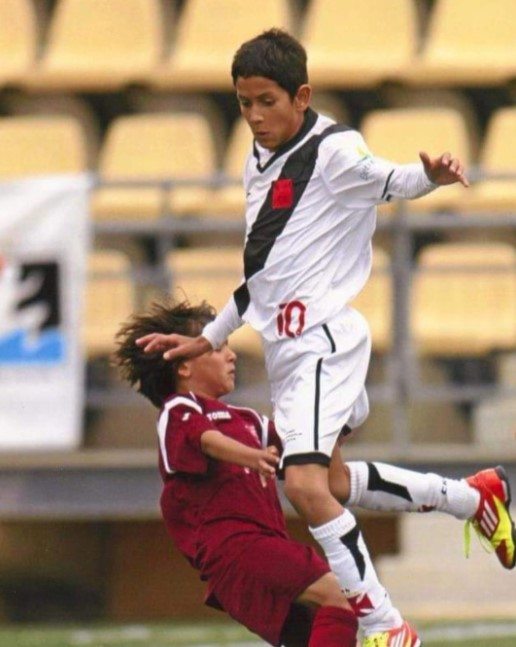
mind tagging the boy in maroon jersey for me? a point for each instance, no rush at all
(219, 499)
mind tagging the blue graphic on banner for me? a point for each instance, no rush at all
(20, 347)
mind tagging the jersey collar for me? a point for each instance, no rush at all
(308, 123)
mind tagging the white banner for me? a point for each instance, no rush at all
(44, 238)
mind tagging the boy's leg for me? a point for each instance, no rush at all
(333, 627)
(483, 499)
(379, 486)
(317, 387)
(334, 623)
(335, 529)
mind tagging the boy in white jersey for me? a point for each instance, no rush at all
(312, 188)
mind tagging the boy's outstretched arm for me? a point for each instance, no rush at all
(222, 448)
(215, 333)
(173, 346)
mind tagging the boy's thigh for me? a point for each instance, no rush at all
(259, 587)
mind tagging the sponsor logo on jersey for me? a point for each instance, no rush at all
(219, 415)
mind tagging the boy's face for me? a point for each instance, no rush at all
(272, 115)
(211, 375)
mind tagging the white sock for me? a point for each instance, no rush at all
(349, 559)
(378, 486)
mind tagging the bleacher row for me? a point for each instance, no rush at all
(167, 147)
(100, 45)
(472, 316)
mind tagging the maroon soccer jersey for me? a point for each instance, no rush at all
(228, 524)
(205, 501)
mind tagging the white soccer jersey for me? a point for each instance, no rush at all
(310, 217)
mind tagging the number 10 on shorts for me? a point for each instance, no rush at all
(291, 318)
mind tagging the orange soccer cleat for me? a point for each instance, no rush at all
(492, 520)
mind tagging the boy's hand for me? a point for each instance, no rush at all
(267, 462)
(444, 169)
(174, 346)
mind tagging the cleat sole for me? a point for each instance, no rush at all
(502, 474)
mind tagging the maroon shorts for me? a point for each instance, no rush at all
(257, 580)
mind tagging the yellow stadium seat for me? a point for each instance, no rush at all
(40, 146)
(209, 33)
(18, 39)
(154, 147)
(375, 301)
(229, 201)
(358, 44)
(144, 102)
(410, 97)
(212, 274)
(59, 105)
(464, 299)
(498, 155)
(470, 42)
(110, 299)
(100, 45)
(398, 135)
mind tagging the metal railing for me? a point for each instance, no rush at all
(403, 384)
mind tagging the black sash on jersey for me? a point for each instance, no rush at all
(271, 221)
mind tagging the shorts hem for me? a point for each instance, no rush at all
(308, 458)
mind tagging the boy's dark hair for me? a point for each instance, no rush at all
(275, 55)
(154, 377)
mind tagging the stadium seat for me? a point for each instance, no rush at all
(154, 147)
(498, 155)
(41, 145)
(110, 299)
(212, 274)
(409, 97)
(208, 34)
(375, 301)
(464, 299)
(229, 201)
(358, 44)
(18, 40)
(398, 135)
(144, 102)
(469, 43)
(59, 105)
(98, 45)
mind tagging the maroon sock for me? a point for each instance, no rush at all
(334, 627)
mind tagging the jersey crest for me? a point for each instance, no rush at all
(282, 194)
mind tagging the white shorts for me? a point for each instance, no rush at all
(318, 386)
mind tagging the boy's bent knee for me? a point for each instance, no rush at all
(307, 488)
(325, 592)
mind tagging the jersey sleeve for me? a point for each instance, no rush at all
(355, 176)
(226, 322)
(180, 428)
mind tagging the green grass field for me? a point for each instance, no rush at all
(478, 634)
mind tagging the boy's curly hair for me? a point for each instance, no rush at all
(154, 377)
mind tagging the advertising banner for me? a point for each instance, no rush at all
(44, 239)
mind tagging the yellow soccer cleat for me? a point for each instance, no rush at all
(492, 520)
(403, 636)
